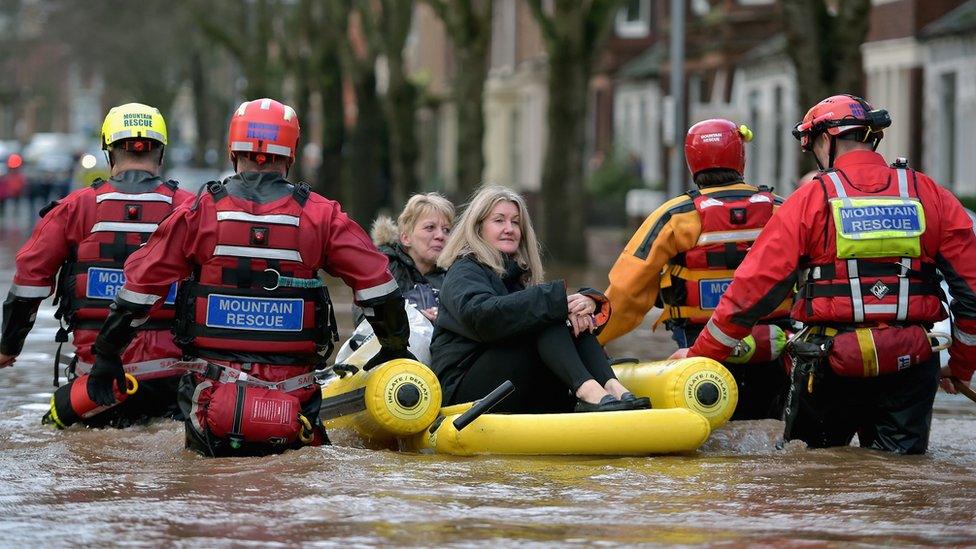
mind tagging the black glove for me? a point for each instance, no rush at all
(106, 373)
(387, 354)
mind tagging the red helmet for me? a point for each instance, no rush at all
(838, 115)
(264, 126)
(716, 143)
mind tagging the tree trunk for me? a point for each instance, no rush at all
(469, 93)
(468, 23)
(367, 172)
(573, 32)
(202, 107)
(329, 180)
(401, 108)
(563, 197)
(303, 103)
(401, 99)
(825, 48)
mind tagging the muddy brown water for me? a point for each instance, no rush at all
(88, 487)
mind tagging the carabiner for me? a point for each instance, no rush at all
(306, 434)
(277, 280)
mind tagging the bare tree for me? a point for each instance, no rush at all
(468, 22)
(574, 31)
(246, 32)
(825, 40)
(366, 165)
(110, 38)
(387, 24)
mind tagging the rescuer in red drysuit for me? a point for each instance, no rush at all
(254, 310)
(862, 243)
(88, 235)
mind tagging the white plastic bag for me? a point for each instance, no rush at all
(421, 332)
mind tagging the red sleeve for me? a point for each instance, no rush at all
(766, 276)
(165, 259)
(183, 198)
(47, 248)
(351, 256)
(956, 259)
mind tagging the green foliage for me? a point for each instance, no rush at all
(968, 201)
(614, 178)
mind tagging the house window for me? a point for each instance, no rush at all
(634, 19)
(947, 127)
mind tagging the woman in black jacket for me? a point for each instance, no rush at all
(412, 244)
(499, 321)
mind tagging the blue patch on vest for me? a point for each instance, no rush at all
(711, 291)
(105, 283)
(255, 313)
(868, 219)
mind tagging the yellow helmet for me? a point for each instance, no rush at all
(133, 121)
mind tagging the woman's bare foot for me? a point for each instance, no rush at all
(590, 391)
(615, 388)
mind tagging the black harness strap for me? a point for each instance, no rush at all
(828, 271)
(809, 291)
(301, 193)
(217, 189)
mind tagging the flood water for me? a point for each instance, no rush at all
(139, 486)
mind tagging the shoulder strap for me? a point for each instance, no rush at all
(301, 193)
(765, 188)
(98, 182)
(172, 184)
(694, 193)
(44, 211)
(217, 189)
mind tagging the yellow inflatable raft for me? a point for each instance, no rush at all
(698, 384)
(397, 404)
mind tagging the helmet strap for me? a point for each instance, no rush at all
(833, 150)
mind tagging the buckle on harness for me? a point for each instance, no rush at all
(212, 371)
(277, 280)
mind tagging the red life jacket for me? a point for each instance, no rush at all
(231, 303)
(871, 290)
(694, 281)
(93, 274)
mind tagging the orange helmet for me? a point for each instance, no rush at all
(841, 114)
(263, 127)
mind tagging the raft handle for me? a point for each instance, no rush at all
(485, 404)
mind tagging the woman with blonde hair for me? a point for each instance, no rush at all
(413, 244)
(500, 321)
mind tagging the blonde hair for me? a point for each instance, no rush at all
(466, 237)
(384, 231)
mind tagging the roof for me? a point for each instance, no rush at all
(775, 45)
(958, 21)
(645, 65)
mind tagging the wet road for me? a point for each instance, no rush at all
(84, 487)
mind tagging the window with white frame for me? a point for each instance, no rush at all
(947, 128)
(634, 19)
